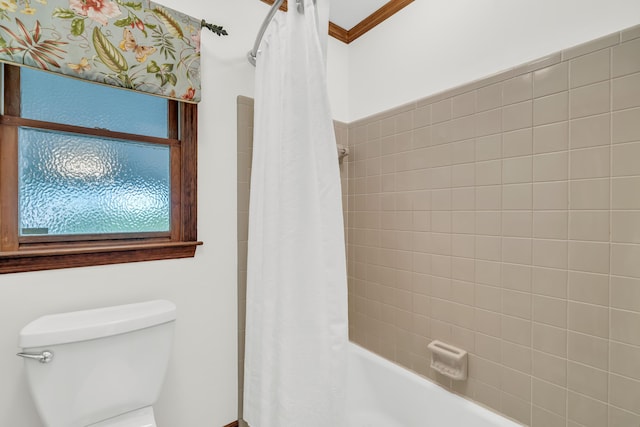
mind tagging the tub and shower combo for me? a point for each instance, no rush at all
(383, 394)
(296, 298)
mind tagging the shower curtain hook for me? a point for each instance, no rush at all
(300, 4)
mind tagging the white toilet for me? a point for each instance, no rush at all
(99, 368)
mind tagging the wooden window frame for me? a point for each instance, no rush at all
(25, 253)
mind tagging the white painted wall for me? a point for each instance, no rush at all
(338, 79)
(433, 45)
(201, 384)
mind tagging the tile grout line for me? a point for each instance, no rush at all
(568, 207)
(611, 172)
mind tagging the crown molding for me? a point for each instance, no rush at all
(366, 25)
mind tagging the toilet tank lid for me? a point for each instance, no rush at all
(97, 323)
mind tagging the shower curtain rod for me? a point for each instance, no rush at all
(251, 56)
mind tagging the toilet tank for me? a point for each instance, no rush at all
(106, 361)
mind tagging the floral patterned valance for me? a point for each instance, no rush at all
(137, 45)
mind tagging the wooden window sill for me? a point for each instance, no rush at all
(57, 258)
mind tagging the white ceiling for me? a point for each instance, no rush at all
(348, 13)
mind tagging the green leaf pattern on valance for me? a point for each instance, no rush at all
(136, 45)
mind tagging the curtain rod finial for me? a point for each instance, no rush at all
(217, 29)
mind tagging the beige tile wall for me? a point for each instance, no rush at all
(245, 152)
(504, 217)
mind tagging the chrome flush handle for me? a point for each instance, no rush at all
(44, 357)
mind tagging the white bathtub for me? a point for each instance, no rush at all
(383, 394)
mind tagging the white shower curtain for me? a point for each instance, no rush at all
(297, 329)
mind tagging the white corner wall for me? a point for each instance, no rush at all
(337, 79)
(434, 45)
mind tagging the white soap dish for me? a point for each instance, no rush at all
(448, 360)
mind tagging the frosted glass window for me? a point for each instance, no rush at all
(72, 184)
(81, 103)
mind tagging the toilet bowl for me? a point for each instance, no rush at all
(99, 368)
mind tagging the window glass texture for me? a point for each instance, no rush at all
(73, 184)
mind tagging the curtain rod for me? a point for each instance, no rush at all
(251, 56)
